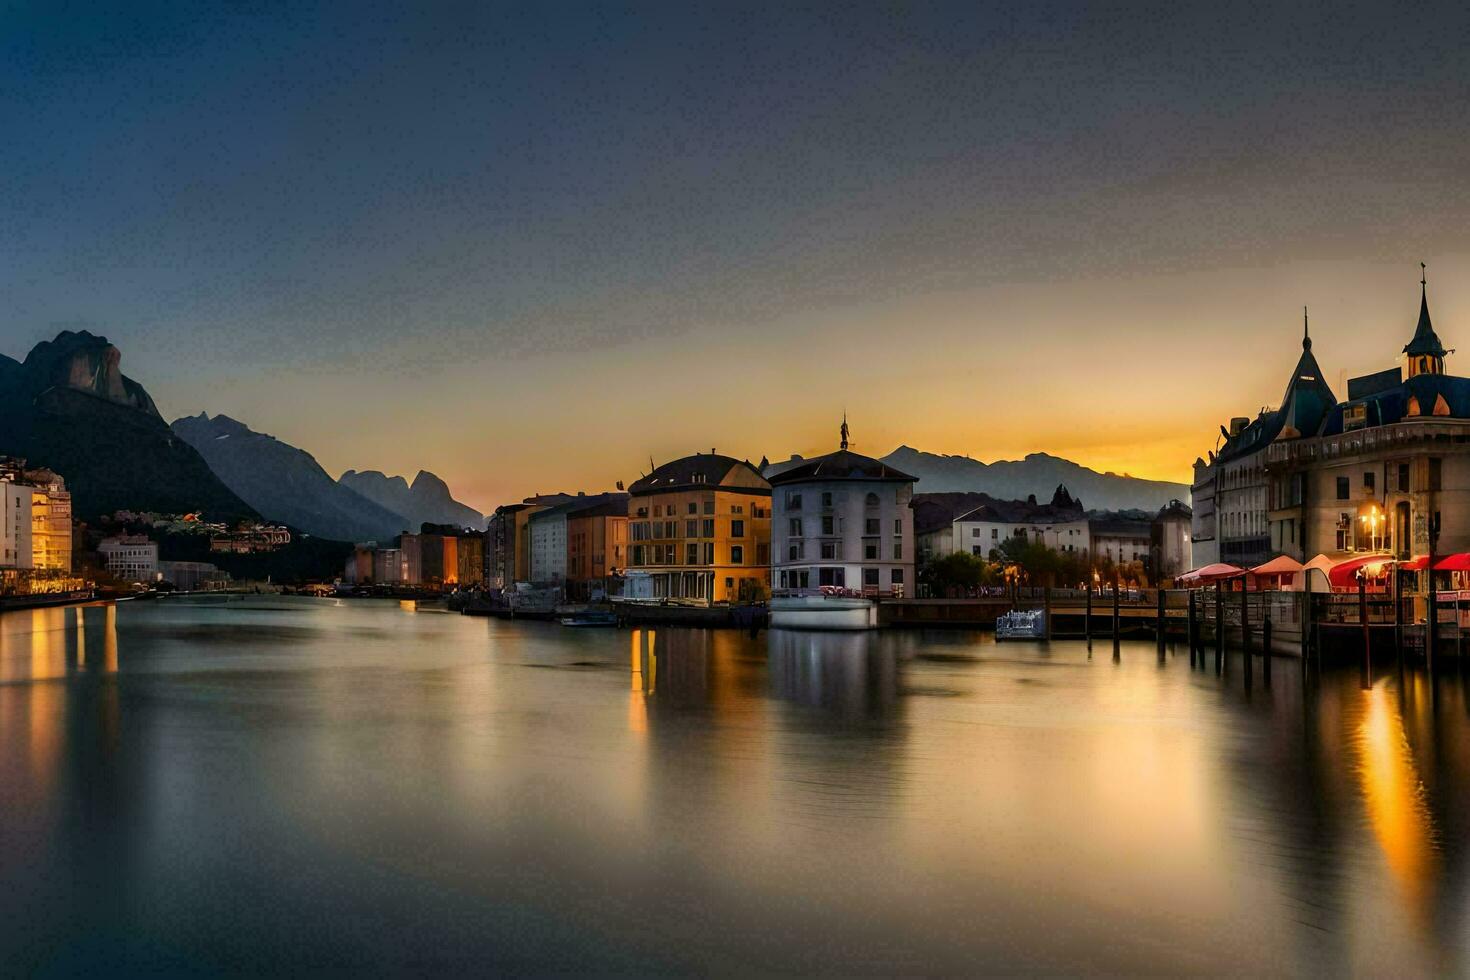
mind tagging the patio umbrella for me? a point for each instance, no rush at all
(1344, 574)
(1321, 564)
(1416, 564)
(1453, 563)
(1282, 566)
(1214, 573)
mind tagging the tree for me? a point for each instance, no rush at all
(957, 571)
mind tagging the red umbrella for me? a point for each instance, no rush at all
(1416, 564)
(1344, 574)
(1453, 563)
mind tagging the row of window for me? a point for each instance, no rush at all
(834, 525)
(801, 578)
(694, 553)
(794, 499)
(655, 530)
(1432, 475)
(796, 550)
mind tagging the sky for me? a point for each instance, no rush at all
(531, 247)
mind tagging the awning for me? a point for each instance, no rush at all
(1211, 573)
(1344, 575)
(1453, 563)
(1416, 564)
(1280, 565)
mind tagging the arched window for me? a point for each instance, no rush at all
(872, 500)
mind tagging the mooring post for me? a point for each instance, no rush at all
(1305, 619)
(1245, 631)
(1219, 629)
(1398, 613)
(1266, 648)
(1116, 617)
(1191, 633)
(1431, 636)
(1363, 623)
(1159, 623)
(1046, 611)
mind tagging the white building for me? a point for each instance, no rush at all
(15, 526)
(1060, 525)
(132, 558)
(548, 530)
(842, 520)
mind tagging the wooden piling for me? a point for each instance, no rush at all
(1245, 632)
(1363, 623)
(1219, 629)
(1191, 633)
(1116, 619)
(1160, 623)
(1087, 617)
(1266, 648)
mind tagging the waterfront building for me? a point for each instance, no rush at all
(700, 527)
(547, 528)
(388, 567)
(597, 541)
(934, 517)
(130, 557)
(1171, 552)
(470, 553)
(193, 576)
(49, 508)
(1386, 470)
(359, 567)
(16, 549)
(1060, 525)
(1121, 537)
(843, 520)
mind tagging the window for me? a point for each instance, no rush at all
(708, 528)
(709, 506)
(762, 554)
(898, 551)
(709, 552)
(691, 529)
(795, 527)
(796, 552)
(1403, 478)
(974, 532)
(1368, 481)
(826, 501)
(1342, 488)
(898, 525)
(995, 534)
(829, 550)
(793, 500)
(691, 553)
(829, 524)
(871, 500)
(975, 550)
(737, 509)
(831, 576)
(783, 580)
(870, 551)
(870, 577)
(870, 526)
(693, 507)
(737, 554)
(896, 576)
(737, 529)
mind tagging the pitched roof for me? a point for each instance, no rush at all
(1425, 340)
(841, 465)
(699, 470)
(937, 511)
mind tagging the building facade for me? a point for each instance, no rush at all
(1385, 471)
(843, 520)
(1060, 525)
(131, 558)
(16, 550)
(700, 527)
(597, 543)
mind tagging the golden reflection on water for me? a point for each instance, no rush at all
(1394, 796)
(637, 707)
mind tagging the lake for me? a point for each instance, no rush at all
(282, 783)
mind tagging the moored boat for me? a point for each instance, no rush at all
(1021, 624)
(824, 612)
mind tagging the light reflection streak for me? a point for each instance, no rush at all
(1394, 795)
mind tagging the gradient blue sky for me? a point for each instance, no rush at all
(529, 247)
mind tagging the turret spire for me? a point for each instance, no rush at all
(1426, 353)
(1306, 332)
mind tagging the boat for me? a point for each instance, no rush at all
(590, 617)
(828, 611)
(1021, 624)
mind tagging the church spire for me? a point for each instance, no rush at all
(1306, 332)
(1426, 353)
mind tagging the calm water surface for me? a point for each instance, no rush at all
(267, 784)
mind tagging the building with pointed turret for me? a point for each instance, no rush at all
(1377, 472)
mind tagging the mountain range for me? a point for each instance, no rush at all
(1039, 474)
(286, 484)
(426, 501)
(69, 407)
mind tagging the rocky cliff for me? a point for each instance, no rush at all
(69, 407)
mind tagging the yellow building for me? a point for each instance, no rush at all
(701, 528)
(50, 522)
